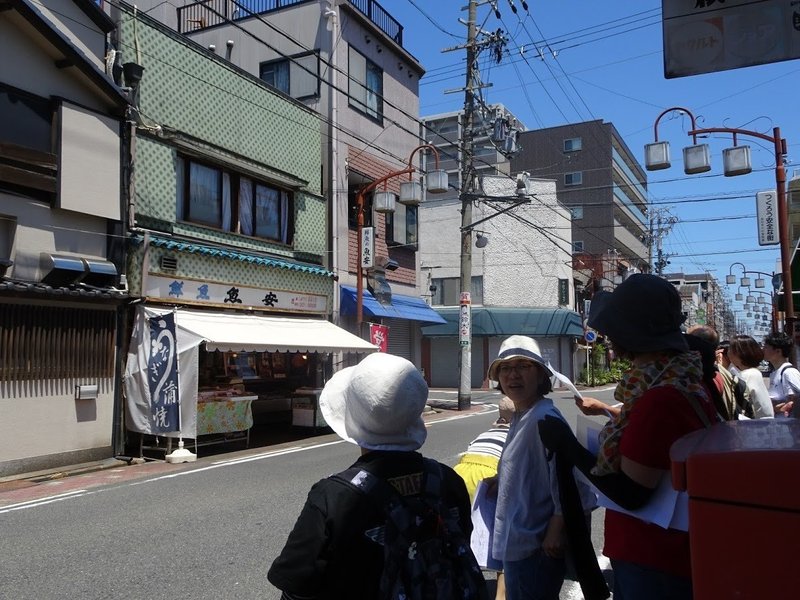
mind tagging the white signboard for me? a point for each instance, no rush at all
(465, 325)
(367, 247)
(767, 218)
(704, 36)
(192, 291)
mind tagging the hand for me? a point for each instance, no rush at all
(592, 407)
(785, 408)
(491, 486)
(555, 539)
(556, 435)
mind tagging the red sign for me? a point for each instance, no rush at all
(379, 335)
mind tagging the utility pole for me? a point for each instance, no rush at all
(467, 194)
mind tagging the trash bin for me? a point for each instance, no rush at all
(744, 508)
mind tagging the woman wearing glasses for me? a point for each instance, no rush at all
(529, 536)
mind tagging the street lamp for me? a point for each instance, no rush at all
(384, 201)
(736, 162)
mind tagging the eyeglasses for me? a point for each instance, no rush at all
(520, 368)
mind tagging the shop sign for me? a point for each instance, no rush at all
(379, 335)
(193, 291)
(367, 247)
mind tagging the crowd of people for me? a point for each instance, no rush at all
(542, 480)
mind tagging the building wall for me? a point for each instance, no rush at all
(528, 250)
(606, 224)
(43, 424)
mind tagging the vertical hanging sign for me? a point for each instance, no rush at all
(367, 247)
(465, 320)
(162, 374)
(379, 335)
(767, 218)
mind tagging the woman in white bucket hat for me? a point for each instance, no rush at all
(334, 550)
(529, 536)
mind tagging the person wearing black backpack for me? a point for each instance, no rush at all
(395, 524)
(784, 381)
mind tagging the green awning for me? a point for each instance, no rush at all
(493, 321)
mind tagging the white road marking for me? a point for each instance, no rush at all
(41, 501)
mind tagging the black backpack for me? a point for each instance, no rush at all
(426, 555)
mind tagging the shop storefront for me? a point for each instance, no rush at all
(208, 373)
(398, 322)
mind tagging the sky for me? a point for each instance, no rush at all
(605, 61)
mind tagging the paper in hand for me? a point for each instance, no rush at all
(565, 380)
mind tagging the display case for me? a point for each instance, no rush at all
(305, 408)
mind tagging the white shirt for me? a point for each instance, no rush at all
(784, 381)
(759, 396)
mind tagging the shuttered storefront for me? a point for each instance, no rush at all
(400, 338)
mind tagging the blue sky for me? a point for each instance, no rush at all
(608, 64)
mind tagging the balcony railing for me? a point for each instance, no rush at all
(210, 13)
(382, 19)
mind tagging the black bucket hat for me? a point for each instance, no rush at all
(643, 314)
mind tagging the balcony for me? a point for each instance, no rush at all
(212, 13)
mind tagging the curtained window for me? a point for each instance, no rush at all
(232, 202)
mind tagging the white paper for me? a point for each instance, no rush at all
(587, 430)
(483, 509)
(666, 508)
(565, 380)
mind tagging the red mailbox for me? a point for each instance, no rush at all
(743, 483)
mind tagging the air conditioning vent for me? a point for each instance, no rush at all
(169, 263)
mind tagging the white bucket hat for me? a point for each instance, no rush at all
(515, 347)
(377, 404)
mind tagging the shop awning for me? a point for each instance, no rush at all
(402, 307)
(254, 333)
(491, 321)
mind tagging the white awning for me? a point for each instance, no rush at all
(254, 333)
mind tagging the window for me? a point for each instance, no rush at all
(575, 178)
(577, 246)
(448, 291)
(401, 226)
(226, 200)
(28, 163)
(573, 144)
(297, 76)
(365, 88)
(80, 343)
(577, 212)
(352, 209)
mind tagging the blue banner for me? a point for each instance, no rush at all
(162, 374)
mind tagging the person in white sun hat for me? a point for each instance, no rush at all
(529, 529)
(336, 547)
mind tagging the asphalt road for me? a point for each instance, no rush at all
(207, 529)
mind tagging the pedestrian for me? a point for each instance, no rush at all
(784, 381)
(529, 529)
(746, 354)
(662, 398)
(339, 545)
(480, 462)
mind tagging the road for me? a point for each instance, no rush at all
(207, 529)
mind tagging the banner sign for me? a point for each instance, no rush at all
(162, 374)
(379, 335)
(767, 218)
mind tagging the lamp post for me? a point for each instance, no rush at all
(758, 282)
(410, 193)
(696, 159)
